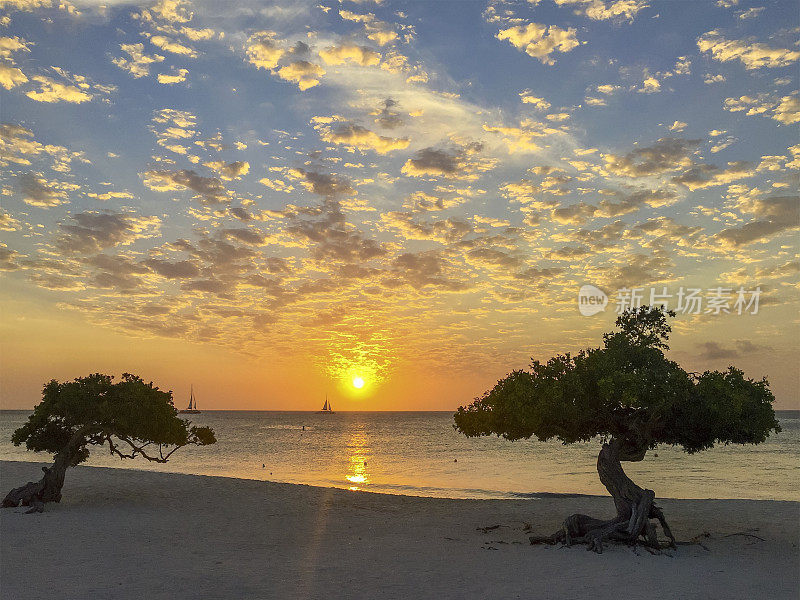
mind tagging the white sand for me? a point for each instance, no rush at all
(138, 535)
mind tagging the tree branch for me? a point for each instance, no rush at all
(140, 450)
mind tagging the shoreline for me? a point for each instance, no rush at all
(513, 496)
(173, 535)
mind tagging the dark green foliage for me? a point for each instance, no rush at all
(135, 418)
(626, 389)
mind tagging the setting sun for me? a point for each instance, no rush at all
(358, 382)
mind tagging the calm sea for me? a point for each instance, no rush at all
(419, 453)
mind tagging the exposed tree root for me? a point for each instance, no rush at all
(636, 511)
(637, 530)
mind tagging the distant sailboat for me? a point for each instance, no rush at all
(327, 409)
(192, 408)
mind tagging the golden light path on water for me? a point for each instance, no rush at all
(358, 452)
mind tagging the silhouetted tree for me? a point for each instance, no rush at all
(634, 398)
(133, 417)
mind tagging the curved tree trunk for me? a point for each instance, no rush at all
(48, 488)
(635, 507)
(36, 493)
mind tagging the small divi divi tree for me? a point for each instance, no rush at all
(631, 396)
(133, 417)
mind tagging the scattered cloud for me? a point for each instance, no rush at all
(264, 50)
(11, 76)
(361, 55)
(784, 109)
(53, 91)
(751, 13)
(39, 192)
(461, 162)
(358, 137)
(378, 31)
(540, 41)
(91, 231)
(170, 45)
(209, 190)
(613, 10)
(753, 55)
(650, 85)
(8, 222)
(302, 72)
(718, 351)
(229, 171)
(177, 76)
(771, 216)
(528, 98)
(667, 154)
(137, 63)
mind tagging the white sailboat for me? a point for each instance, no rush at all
(192, 408)
(327, 409)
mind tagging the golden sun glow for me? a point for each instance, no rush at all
(358, 382)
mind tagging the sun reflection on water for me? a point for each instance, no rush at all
(358, 451)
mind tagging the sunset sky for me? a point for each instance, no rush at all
(268, 200)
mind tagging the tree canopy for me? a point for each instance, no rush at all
(133, 417)
(625, 389)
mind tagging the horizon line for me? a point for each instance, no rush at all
(312, 411)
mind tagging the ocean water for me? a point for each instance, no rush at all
(419, 453)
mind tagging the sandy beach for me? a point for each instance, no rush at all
(123, 534)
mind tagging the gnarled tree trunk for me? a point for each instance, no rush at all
(36, 493)
(48, 488)
(635, 507)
